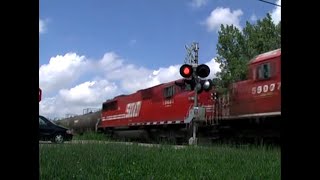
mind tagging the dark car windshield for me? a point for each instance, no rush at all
(47, 120)
(53, 122)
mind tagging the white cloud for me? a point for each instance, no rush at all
(223, 16)
(88, 93)
(198, 3)
(110, 62)
(42, 26)
(73, 101)
(276, 13)
(113, 76)
(61, 71)
(253, 18)
(214, 68)
(48, 107)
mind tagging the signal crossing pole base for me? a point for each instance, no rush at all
(194, 140)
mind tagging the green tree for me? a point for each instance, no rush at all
(236, 48)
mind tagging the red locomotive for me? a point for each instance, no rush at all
(166, 111)
(164, 108)
(252, 108)
(260, 95)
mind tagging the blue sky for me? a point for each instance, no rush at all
(93, 50)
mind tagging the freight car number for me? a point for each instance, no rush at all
(265, 88)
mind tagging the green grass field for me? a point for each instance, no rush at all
(119, 161)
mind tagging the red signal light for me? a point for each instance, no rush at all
(186, 70)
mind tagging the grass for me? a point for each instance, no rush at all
(119, 161)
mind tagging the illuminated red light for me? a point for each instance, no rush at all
(186, 71)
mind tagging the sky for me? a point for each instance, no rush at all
(91, 51)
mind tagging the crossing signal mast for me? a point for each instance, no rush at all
(192, 72)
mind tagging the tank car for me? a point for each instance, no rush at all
(82, 123)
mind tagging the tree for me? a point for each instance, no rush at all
(236, 48)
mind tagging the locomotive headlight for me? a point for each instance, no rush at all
(207, 85)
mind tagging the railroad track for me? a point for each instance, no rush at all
(111, 142)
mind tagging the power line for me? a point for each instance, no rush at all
(270, 3)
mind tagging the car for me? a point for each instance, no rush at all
(49, 131)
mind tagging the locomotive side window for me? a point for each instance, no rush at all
(264, 71)
(168, 92)
(109, 106)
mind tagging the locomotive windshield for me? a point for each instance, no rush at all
(109, 106)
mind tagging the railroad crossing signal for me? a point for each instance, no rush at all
(191, 73)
